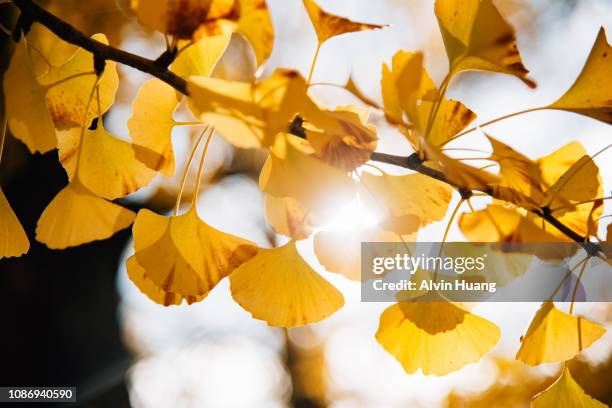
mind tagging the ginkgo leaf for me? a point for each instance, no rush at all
(415, 194)
(49, 49)
(565, 392)
(496, 223)
(26, 109)
(104, 164)
(13, 239)
(555, 336)
(70, 86)
(250, 115)
(403, 85)
(328, 25)
(352, 87)
(201, 57)
(342, 137)
(184, 255)
(570, 176)
(179, 18)
(292, 170)
(251, 18)
(477, 37)
(460, 174)
(255, 23)
(436, 337)
(409, 94)
(138, 276)
(518, 173)
(590, 94)
(287, 217)
(278, 286)
(339, 251)
(151, 125)
(76, 216)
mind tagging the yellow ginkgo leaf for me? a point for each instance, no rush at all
(184, 255)
(76, 216)
(293, 170)
(500, 224)
(403, 85)
(151, 125)
(26, 109)
(340, 251)
(179, 18)
(328, 25)
(250, 115)
(436, 337)
(460, 174)
(255, 23)
(477, 37)
(200, 57)
(70, 86)
(410, 95)
(278, 286)
(342, 137)
(414, 194)
(555, 336)
(518, 173)
(569, 177)
(251, 18)
(49, 49)
(590, 94)
(287, 217)
(104, 164)
(565, 392)
(13, 239)
(138, 276)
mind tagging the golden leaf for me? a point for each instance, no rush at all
(183, 255)
(25, 100)
(590, 94)
(477, 37)
(565, 392)
(555, 336)
(69, 88)
(287, 217)
(279, 287)
(104, 164)
(436, 337)
(292, 170)
(138, 276)
(201, 57)
(342, 137)
(412, 194)
(75, 216)
(13, 239)
(328, 25)
(151, 124)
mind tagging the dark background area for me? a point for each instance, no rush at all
(58, 308)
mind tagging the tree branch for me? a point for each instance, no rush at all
(71, 35)
(159, 69)
(413, 162)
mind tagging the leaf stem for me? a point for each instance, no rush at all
(571, 309)
(314, 62)
(68, 78)
(194, 200)
(186, 171)
(446, 231)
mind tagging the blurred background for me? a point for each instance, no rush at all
(73, 317)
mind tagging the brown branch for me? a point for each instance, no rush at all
(159, 69)
(71, 35)
(413, 162)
